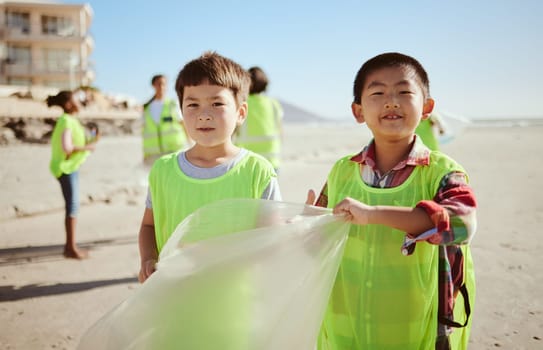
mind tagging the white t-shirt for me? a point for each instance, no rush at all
(155, 109)
(156, 106)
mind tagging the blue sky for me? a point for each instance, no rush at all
(484, 58)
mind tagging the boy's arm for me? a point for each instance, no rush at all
(413, 220)
(68, 146)
(147, 246)
(321, 201)
(453, 211)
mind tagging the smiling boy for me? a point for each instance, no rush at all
(398, 193)
(212, 92)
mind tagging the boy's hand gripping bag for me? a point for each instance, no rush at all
(236, 274)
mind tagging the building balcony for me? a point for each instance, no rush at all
(28, 71)
(23, 35)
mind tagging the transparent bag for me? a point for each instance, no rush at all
(236, 274)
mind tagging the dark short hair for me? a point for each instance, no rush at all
(259, 80)
(217, 70)
(59, 99)
(389, 59)
(156, 77)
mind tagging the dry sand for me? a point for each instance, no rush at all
(47, 302)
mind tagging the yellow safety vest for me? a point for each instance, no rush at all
(165, 137)
(382, 299)
(425, 130)
(261, 132)
(176, 195)
(60, 163)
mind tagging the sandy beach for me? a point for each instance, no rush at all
(48, 302)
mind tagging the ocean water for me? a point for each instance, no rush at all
(454, 122)
(506, 123)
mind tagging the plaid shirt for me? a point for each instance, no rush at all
(454, 198)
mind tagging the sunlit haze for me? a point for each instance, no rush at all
(483, 57)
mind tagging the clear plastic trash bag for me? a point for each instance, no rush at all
(236, 274)
(453, 125)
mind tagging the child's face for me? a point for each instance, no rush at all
(160, 86)
(211, 114)
(392, 103)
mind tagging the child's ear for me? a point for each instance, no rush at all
(428, 108)
(356, 108)
(242, 113)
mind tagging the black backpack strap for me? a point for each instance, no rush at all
(467, 309)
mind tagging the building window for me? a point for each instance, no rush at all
(57, 26)
(56, 60)
(19, 55)
(18, 21)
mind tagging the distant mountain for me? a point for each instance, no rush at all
(295, 114)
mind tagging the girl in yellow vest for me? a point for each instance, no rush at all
(163, 128)
(69, 149)
(262, 131)
(389, 293)
(213, 93)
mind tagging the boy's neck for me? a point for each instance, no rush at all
(389, 153)
(208, 157)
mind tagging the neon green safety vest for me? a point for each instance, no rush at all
(382, 299)
(425, 130)
(165, 137)
(176, 195)
(261, 132)
(60, 163)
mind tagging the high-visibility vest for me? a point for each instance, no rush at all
(166, 136)
(176, 195)
(382, 299)
(261, 132)
(60, 163)
(426, 131)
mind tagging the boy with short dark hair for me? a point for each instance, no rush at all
(397, 192)
(212, 92)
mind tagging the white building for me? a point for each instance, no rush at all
(45, 43)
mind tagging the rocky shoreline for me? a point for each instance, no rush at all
(15, 130)
(31, 121)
